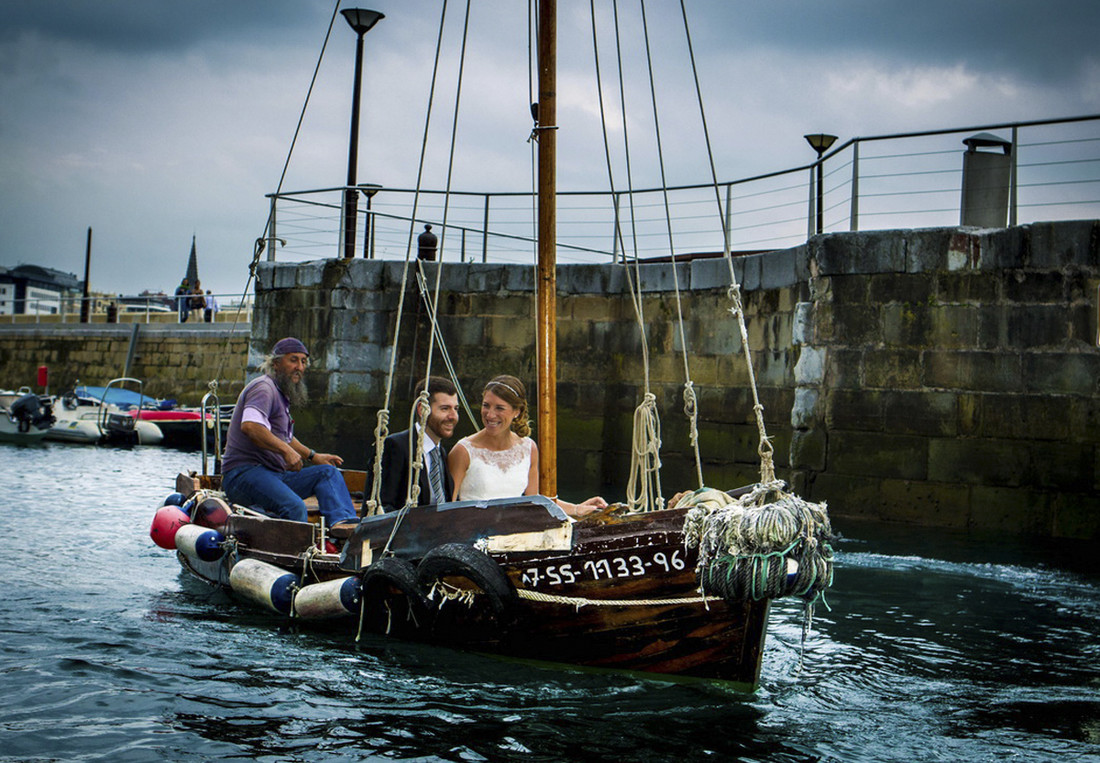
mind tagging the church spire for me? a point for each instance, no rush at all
(193, 265)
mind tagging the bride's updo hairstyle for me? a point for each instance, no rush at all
(511, 390)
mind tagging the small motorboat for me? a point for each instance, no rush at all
(181, 427)
(84, 419)
(24, 416)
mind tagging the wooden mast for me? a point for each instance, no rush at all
(546, 305)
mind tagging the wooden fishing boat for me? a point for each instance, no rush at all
(680, 591)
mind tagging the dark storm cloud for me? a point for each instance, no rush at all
(129, 27)
(1019, 38)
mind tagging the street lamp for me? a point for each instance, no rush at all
(368, 190)
(820, 143)
(361, 21)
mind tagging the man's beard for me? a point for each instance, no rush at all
(295, 392)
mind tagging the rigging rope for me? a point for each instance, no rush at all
(764, 449)
(260, 242)
(643, 491)
(421, 407)
(381, 430)
(689, 408)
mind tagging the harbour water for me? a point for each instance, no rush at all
(935, 647)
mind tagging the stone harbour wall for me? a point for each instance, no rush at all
(945, 377)
(173, 361)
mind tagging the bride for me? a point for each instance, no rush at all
(501, 460)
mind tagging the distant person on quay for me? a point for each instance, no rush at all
(211, 308)
(265, 466)
(183, 300)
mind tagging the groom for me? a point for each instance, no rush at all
(435, 481)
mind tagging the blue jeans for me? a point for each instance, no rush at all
(280, 494)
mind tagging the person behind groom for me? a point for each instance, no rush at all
(436, 485)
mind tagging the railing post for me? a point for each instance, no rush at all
(1012, 178)
(728, 243)
(811, 216)
(485, 232)
(271, 232)
(615, 230)
(853, 220)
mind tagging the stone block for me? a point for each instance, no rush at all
(1061, 372)
(310, 274)
(953, 326)
(1063, 466)
(900, 287)
(976, 371)
(926, 251)
(1056, 245)
(1032, 327)
(710, 274)
(859, 410)
(1027, 286)
(926, 413)
(848, 496)
(844, 368)
(808, 449)
(906, 325)
(778, 269)
(860, 252)
(928, 504)
(285, 276)
(519, 278)
(879, 455)
(1076, 516)
(892, 369)
(1002, 463)
(1013, 511)
(965, 288)
(583, 279)
(1004, 248)
(265, 276)
(658, 277)
(805, 413)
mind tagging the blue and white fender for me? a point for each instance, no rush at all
(333, 598)
(200, 543)
(264, 584)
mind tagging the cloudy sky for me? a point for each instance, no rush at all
(153, 122)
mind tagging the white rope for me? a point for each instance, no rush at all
(579, 602)
(764, 449)
(689, 408)
(644, 483)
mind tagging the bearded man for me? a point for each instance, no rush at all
(435, 481)
(265, 466)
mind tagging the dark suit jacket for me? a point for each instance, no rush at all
(395, 473)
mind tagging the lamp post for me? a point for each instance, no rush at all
(361, 21)
(820, 143)
(368, 190)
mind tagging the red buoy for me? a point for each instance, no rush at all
(166, 522)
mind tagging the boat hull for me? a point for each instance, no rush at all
(621, 596)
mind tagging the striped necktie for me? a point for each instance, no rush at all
(435, 475)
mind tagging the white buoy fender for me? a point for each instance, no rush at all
(264, 584)
(200, 542)
(333, 598)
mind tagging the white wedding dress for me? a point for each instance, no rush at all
(496, 473)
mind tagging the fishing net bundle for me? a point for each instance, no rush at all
(765, 544)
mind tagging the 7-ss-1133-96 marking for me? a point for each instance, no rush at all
(604, 568)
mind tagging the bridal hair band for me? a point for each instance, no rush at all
(502, 384)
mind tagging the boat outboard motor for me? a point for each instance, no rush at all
(32, 411)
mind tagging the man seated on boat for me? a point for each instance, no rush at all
(436, 485)
(265, 466)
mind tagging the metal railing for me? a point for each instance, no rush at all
(121, 309)
(907, 180)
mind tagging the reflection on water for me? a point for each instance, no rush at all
(934, 646)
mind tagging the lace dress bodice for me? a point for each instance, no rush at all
(496, 473)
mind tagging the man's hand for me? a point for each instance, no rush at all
(293, 460)
(327, 458)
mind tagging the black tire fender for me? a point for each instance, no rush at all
(460, 560)
(393, 602)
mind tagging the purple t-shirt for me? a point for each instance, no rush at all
(261, 401)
